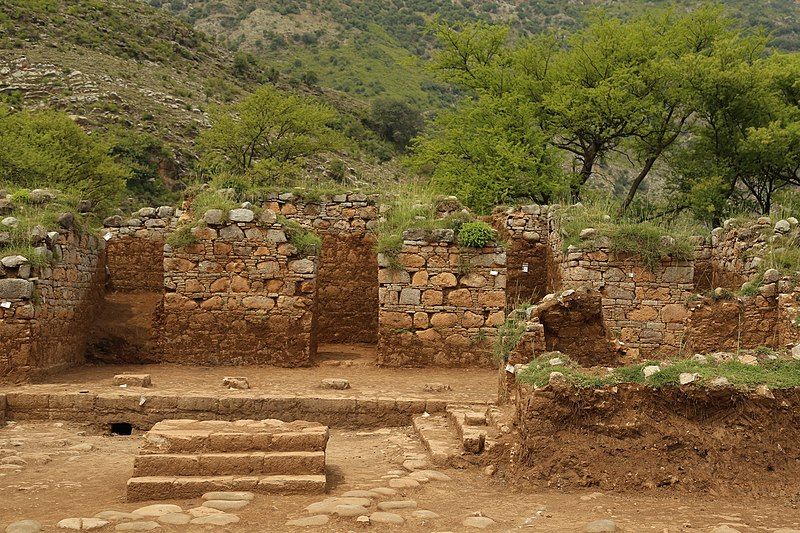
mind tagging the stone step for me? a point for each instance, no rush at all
(222, 464)
(470, 425)
(439, 439)
(178, 487)
(202, 437)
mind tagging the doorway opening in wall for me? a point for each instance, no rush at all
(346, 299)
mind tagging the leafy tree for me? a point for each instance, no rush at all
(395, 120)
(149, 164)
(267, 133)
(489, 151)
(47, 149)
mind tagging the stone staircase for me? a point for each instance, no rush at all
(459, 436)
(187, 458)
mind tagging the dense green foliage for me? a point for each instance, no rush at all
(712, 108)
(266, 135)
(773, 373)
(47, 149)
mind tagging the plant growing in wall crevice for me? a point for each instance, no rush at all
(306, 241)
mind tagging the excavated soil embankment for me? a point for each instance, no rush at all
(632, 437)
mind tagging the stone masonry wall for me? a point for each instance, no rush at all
(135, 249)
(642, 308)
(347, 280)
(529, 256)
(46, 312)
(443, 305)
(241, 295)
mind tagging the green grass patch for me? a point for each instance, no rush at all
(182, 237)
(207, 200)
(476, 234)
(778, 374)
(306, 241)
(652, 242)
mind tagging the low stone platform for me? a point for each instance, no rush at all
(187, 458)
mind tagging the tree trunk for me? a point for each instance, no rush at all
(589, 157)
(648, 165)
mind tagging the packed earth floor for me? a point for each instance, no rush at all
(56, 470)
(52, 470)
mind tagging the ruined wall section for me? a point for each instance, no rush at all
(135, 249)
(643, 308)
(440, 304)
(46, 312)
(347, 281)
(241, 295)
(530, 259)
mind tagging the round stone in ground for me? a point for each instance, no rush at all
(725, 529)
(228, 496)
(403, 483)
(159, 509)
(400, 504)
(137, 526)
(384, 491)
(309, 521)
(424, 514)
(350, 510)
(197, 512)
(226, 505)
(360, 494)
(433, 475)
(386, 518)
(478, 522)
(85, 524)
(176, 519)
(328, 505)
(415, 464)
(216, 519)
(600, 526)
(115, 516)
(24, 526)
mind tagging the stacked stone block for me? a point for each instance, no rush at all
(186, 458)
(441, 304)
(242, 294)
(46, 311)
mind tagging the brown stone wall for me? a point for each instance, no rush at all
(529, 259)
(443, 306)
(48, 310)
(241, 295)
(136, 263)
(643, 308)
(347, 284)
(347, 289)
(742, 323)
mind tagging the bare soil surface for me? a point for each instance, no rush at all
(352, 362)
(60, 481)
(631, 438)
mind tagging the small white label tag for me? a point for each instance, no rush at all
(6, 305)
(524, 267)
(494, 272)
(107, 236)
(510, 368)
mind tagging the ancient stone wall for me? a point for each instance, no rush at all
(242, 294)
(441, 304)
(46, 312)
(347, 281)
(644, 308)
(135, 249)
(529, 256)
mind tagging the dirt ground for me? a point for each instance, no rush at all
(59, 481)
(352, 362)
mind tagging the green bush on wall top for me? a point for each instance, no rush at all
(476, 234)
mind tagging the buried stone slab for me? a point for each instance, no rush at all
(144, 525)
(132, 380)
(335, 383)
(24, 526)
(232, 382)
(226, 505)
(309, 521)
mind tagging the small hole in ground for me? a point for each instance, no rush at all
(121, 428)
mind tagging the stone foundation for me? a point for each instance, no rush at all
(241, 295)
(442, 304)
